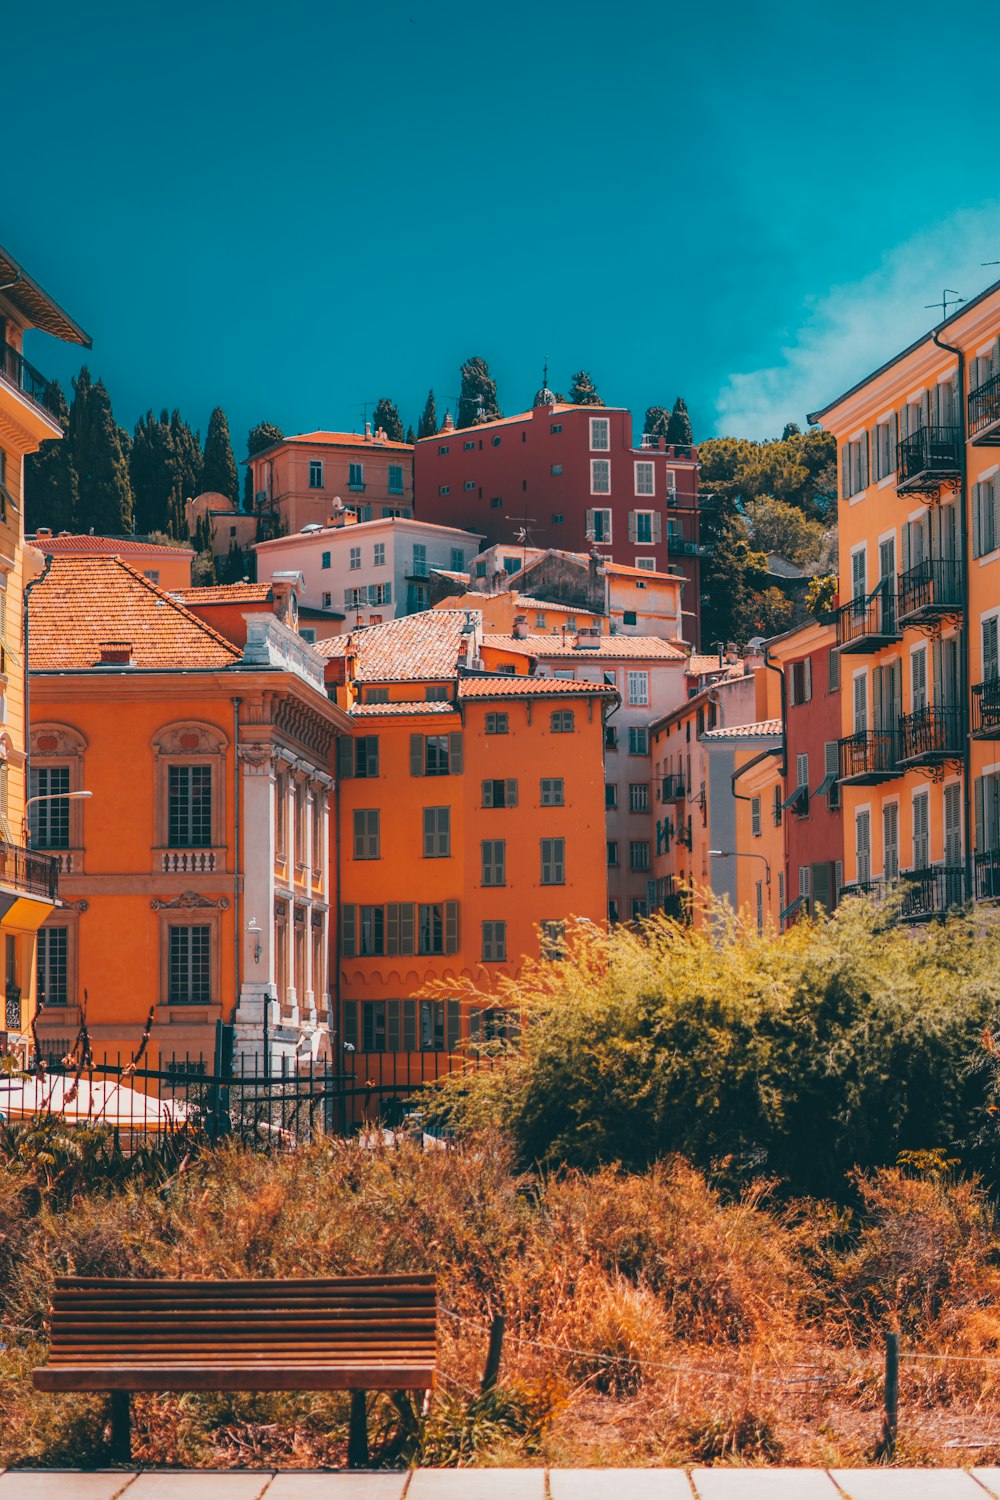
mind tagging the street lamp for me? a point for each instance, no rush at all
(48, 797)
(742, 854)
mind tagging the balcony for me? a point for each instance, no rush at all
(984, 413)
(986, 709)
(931, 892)
(869, 757)
(930, 591)
(986, 875)
(673, 788)
(872, 890)
(29, 873)
(680, 546)
(16, 371)
(867, 624)
(927, 459)
(931, 735)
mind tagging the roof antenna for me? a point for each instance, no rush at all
(948, 295)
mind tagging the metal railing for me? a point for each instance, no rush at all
(869, 753)
(673, 788)
(872, 889)
(984, 406)
(872, 617)
(930, 892)
(934, 585)
(28, 871)
(16, 370)
(986, 708)
(929, 453)
(986, 875)
(931, 733)
(680, 546)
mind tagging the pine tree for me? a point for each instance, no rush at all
(51, 492)
(386, 415)
(218, 470)
(679, 426)
(583, 391)
(411, 436)
(187, 451)
(657, 421)
(105, 500)
(478, 400)
(428, 424)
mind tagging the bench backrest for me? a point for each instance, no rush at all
(341, 1320)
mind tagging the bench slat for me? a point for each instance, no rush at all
(237, 1377)
(392, 1281)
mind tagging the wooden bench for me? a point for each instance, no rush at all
(349, 1333)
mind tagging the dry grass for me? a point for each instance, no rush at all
(650, 1318)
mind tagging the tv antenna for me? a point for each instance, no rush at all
(947, 296)
(362, 407)
(522, 536)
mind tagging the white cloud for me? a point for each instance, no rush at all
(851, 330)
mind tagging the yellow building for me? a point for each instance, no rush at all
(27, 879)
(918, 619)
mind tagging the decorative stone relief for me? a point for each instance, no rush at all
(189, 901)
(189, 739)
(58, 740)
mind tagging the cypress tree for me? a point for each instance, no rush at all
(187, 455)
(105, 491)
(386, 415)
(679, 426)
(478, 400)
(411, 436)
(51, 493)
(657, 421)
(218, 471)
(428, 424)
(264, 435)
(153, 470)
(583, 391)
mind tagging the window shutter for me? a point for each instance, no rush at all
(416, 755)
(904, 539)
(387, 593)
(991, 656)
(860, 705)
(430, 831)
(349, 930)
(980, 819)
(938, 660)
(590, 522)
(409, 1026)
(893, 440)
(633, 527)
(371, 755)
(351, 1022)
(873, 453)
(345, 757)
(487, 794)
(807, 679)
(925, 409)
(407, 926)
(864, 461)
(995, 511)
(821, 884)
(657, 526)
(455, 753)
(454, 1023)
(845, 471)
(392, 1026)
(475, 1024)
(510, 792)
(451, 927)
(392, 927)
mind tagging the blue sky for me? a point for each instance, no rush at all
(289, 210)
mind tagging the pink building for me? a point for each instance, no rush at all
(296, 481)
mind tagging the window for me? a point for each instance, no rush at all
(918, 679)
(308, 634)
(500, 793)
(325, 560)
(395, 479)
(496, 442)
(355, 562)
(890, 840)
(551, 790)
(562, 721)
(802, 772)
(539, 620)
(553, 853)
(610, 737)
(641, 529)
(553, 944)
(152, 573)
(53, 967)
(600, 435)
(638, 740)
(854, 467)
(921, 854)
(437, 931)
(638, 854)
(419, 560)
(986, 516)
(356, 480)
(366, 833)
(436, 754)
(327, 601)
(511, 565)
(638, 688)
(494, 861)
(800, 682)
(600, 478)
(831, 773)
(372, 933)
(613, 853)
(557, 519)
(555, 427)
(379, 593)
(644, 479)
(437, 832)
(755, 817)
(610, 795)
(376, 695)
(444, 489)
(443, 450)
(638, 797)
(436, 692)
(469, 446)
(49, 821)
(495, 504)
(639, 908)
(885, 447)
(457, 560)
(556, 470)
(189, 955)
(494, 942)
(647, 564)
(863, 846)
(496, 723)
(315, 473)
(189, 807)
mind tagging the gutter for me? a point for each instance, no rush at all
(769, 664)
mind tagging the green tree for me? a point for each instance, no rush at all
(411, 436)
(800, 470)
(386, 415)
(218, 470)
(583, 391)
(428, 424)
(791, 429)
(478, 400)
(105, 499)
(657, 421)
(264, 435)
(733, 575)
(679, 426)
(776, 526)
(51, 492)
(187, 455)
(154, 472)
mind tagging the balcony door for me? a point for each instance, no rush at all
(953, 824)
(991, 658)
(887, 578)
(946, 674)
(918, 679)
(860, 702)
(890, 840)
(863, 845)
(887, 696)
(945, 519)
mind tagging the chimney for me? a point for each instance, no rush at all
(115, 654)
(368, 432)
(44, 531)
(284, 594)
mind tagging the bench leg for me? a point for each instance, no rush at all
(121, 1428)
(357, 1437)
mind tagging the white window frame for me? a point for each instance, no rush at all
(600, 425)
(603, 465)
(647, 468)
(605, 511)
(354, 560)
(379, 556)
(640, 541)
(638, 679)
(646, 564)
(316, 463)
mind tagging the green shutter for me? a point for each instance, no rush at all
(454, 1025)
(510, 792)
(371, 755)
(351, 1023)
(451, 927)
(416, 755)
(455, 753)
(475, 1024)
(487, 794)
(407, 926)
(392, 928)
(978, 800)
(349, 930)
(392, 1026)
(409, 1026)
(345, 757)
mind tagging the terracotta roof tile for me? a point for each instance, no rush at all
(102, 546)
(418, 648)
(389, 710)
(84, 602)
(505, 685)
(622, 570)
(340, 440)
(760, 730)
(632, 647)
(224, 593)
(702, 666)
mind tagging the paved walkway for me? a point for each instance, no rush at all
(512, 1484)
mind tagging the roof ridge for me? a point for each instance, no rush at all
(162, 594)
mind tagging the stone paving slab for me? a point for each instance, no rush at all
(338, 1486)
(60, 1484)
(190, 1485)
(989, 1479)
(614, 1484)
(908, 1484)
(764, 1484)
(481, 1484)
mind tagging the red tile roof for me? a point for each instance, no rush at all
(624, 571)
(84, 602)
(632, 647)
(340, 440)
(224, 593)
(703, 666)
(102, 546)
(388, 710)
(418, 648)
(505, 685)
(760, 730)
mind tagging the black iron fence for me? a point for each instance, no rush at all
(930, 453)
(29, 871)
(934, 586)
(19, 373)
(932, 734)
(986, 708)
(869, 619)
(869, 755)
(930, 892)
(984, 406)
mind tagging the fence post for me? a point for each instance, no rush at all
(492, 1369)
(886, 1451)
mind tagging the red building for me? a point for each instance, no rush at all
(813, 821)
(572, 478)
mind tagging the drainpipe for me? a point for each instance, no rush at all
(963, 624)
(237, 905)
(769, 664)
(27, 675)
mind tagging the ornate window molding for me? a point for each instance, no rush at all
(189, 743)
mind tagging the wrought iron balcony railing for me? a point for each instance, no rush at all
(16, 370)
(930, 590)
(869, 756)
(986, 709)
(931, 735)
(682, 546)
(930, 892)
(928, 458)
(874, 889)
(673, 788)
(868, 623)
(984, 413)
(986, 875)
(28, 872)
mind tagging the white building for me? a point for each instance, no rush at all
(371, 571)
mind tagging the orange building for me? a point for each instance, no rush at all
(27, 879)
(471, 816)
(170, 567)
(917, 628)
(196, 881)
(225, 606)
(295, 481)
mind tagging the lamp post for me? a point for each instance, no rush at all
(48, 797)
(742, 854)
